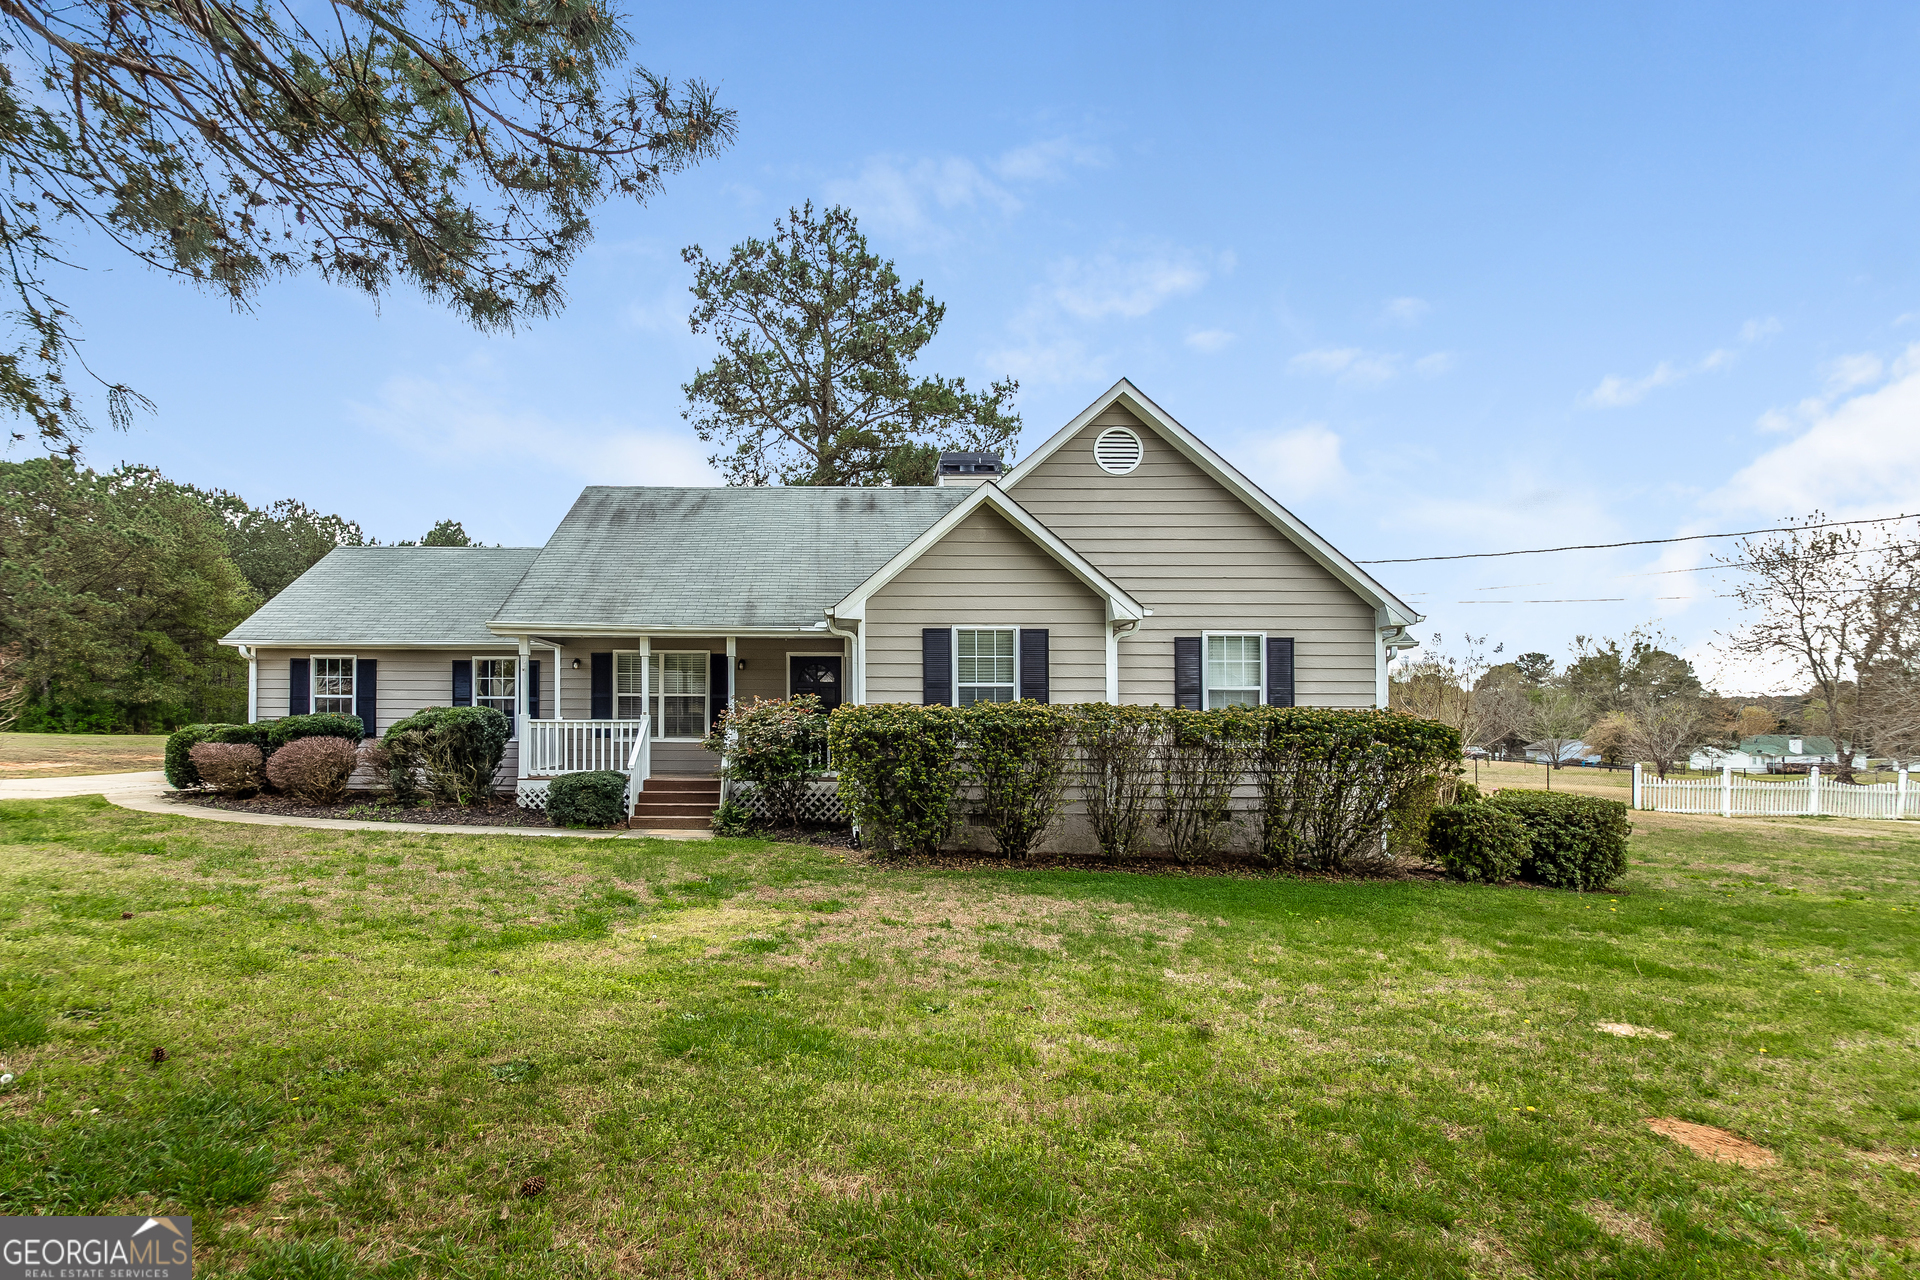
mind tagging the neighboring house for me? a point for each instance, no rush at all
(1773, 753)
(1123, 560)
(1570, 753)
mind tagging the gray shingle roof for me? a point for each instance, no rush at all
(632, 557)
(392, 595)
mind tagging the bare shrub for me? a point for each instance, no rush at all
(314, 769)
(231, 768)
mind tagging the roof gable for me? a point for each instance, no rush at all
(1125, 395)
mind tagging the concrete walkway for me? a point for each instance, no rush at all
(142, 791)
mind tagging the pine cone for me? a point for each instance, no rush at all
(532, 1187)
(158, 1055)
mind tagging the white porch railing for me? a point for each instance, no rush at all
(1811, 796)
(551, 747)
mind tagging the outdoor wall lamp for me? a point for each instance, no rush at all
(576, 664)
(743, 664)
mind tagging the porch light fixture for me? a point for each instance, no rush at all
(743, 664)
(576, 664)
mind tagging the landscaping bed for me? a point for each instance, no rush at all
(501, 813)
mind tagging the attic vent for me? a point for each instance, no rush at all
(1117, 450)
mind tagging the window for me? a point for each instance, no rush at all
(626, 687)
(983, 667)
(493, 684)
(333, 686)
(677, 688)
(1234, 675)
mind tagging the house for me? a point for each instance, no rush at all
(1570, 753)
(1773, 753)
(1123, 560)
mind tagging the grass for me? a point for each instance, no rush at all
(736, 1058)
(66, 755)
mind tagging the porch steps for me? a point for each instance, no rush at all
(676, 804)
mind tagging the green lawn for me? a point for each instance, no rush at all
(734, 1058)
(65, 755)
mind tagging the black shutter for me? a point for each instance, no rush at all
(602, 705)
(462, 683)
(366, 695)
(1033, 663)
(1279, 671)
(1186, 672)
(299, 686)
(533, 688)
(718, 668)
(936, 666)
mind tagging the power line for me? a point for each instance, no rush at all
(1640, 542)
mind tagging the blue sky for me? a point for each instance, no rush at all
(1490, 278)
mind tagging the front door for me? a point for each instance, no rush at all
(818, 676)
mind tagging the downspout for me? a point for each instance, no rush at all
(857, 678)
(1116, 628)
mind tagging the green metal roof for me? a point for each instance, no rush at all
(1780, 744)
(391, 595)
(631, 558)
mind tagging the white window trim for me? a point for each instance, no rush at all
(514, 658)
(657, 695)
(353, 676)
(841, 654)
(953, 655)
(1205, 688)
(642, 655)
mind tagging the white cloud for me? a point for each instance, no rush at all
(1616, 391)
(429, 415)
(1405, 311)
(1860, 456)
(1847, 372)
(1113, 285)
(1209, 340)
(1348, 364)
(1434, 364)
(1047, 161)
(1302, 463)
(902, 197)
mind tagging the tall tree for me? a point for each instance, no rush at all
(1841, 607)
(812, 385)
(1448, 688)
(457, 144)
(273, 545)
(114, 592)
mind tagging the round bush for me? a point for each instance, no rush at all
(594, 799)
(1477, 842)
(181, 775)
(232, 768)
(1573, 842)
(313, 769)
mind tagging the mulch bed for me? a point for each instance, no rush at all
(1239, 867)
(502, 813)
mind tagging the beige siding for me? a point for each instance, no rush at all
(1188, 549)
(765, 676)
(408, 679)
(986, 572)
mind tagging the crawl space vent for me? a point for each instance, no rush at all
(1117, 450)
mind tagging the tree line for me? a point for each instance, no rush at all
(1835, 611)
(116, 586)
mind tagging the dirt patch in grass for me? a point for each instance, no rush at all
(1626, 1226)
(1630, 1031)
(1710, 1143)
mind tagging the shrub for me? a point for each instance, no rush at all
(1016, 753)
(457, 750)
(1476, 841)
(897, 772)
(324, 725)
(777, 745)
(1573, 842)
(313, 769)
(1115, 746)
(1331, 781)
(734, 819)
(232, 768)
(1200, 760)
(597, 798)
(181, 774)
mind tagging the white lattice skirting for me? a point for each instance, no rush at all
(822, 804)
(533, 795)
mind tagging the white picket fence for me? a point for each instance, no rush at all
(1811, 796)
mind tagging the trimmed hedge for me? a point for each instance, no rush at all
(232, 768)
(898, 774)
(779, 746)
(1477, 841)
(594, 799)
(458, 749)
(324, 725)
(313, 769)
(1573, 842)
(181, 775)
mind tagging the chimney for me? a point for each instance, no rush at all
(968, 468)
(1796, 747)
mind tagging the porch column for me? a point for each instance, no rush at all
(559, 707)
(645, 645)
(253, 683)
(733, 660)
(520, 752)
